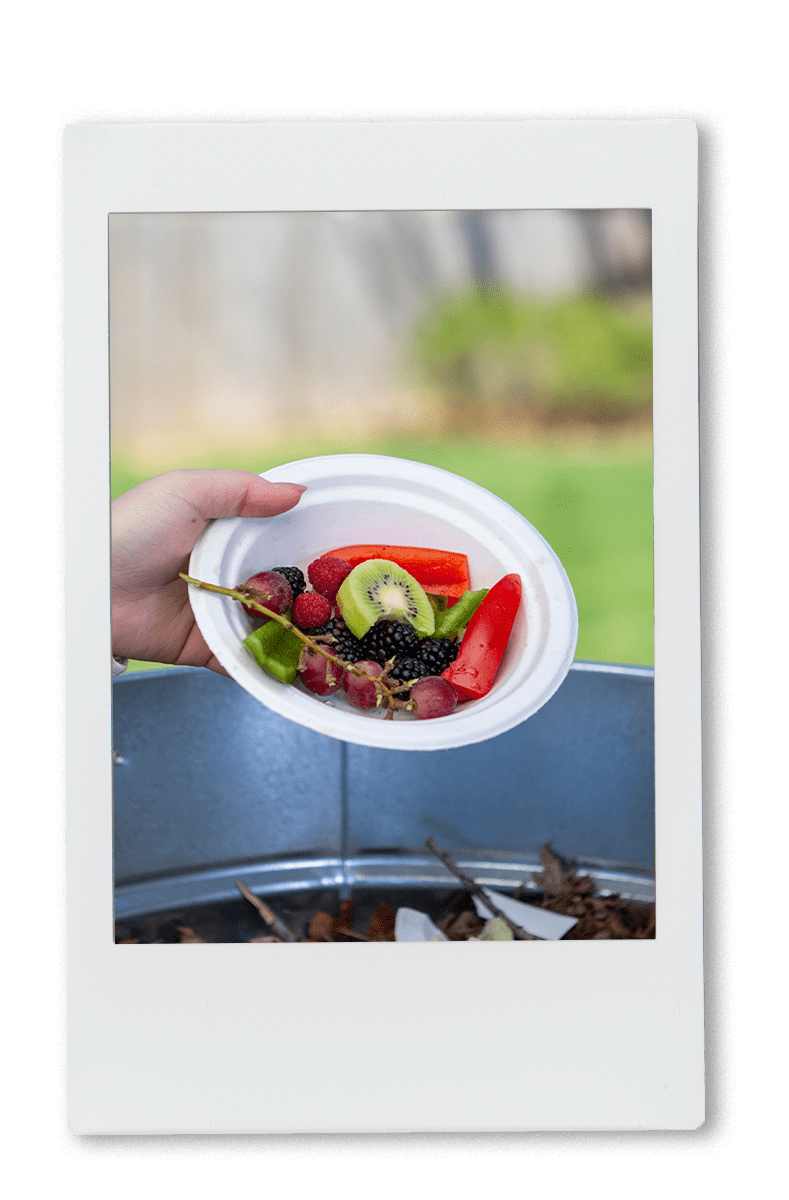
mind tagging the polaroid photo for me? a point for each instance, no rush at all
(244, 285)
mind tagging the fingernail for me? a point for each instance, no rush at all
(302, 487)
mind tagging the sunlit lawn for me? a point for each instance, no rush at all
(591, 499)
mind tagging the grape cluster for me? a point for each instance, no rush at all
(390, 649)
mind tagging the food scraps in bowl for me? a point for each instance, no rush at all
(397, 627)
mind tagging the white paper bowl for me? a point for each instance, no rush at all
(368, 498)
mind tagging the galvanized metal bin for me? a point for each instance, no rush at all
(209, 785)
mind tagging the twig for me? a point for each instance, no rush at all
(473, 887)
(272, 920)
(244, 596)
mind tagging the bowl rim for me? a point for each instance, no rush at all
(472, 722)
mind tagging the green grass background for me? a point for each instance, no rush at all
(591, 498)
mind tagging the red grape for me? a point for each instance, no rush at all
(319, 674)
(362, 692)
(433, 697)
(272, 590)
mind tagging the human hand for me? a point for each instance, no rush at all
(154, 529)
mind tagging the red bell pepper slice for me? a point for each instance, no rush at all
(452, 591)
(445, 568)
(485, 640)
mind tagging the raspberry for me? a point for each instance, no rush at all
(326, 575)
(311, 610)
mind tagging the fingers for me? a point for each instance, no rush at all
(229, 493)
(264, 499)
(154, 529)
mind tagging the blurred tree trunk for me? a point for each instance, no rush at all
(482, 255)
(615, 273)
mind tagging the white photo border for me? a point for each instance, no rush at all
(311, 1038)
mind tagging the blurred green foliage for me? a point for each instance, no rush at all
(547, 360)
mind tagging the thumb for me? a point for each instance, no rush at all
(218, 492)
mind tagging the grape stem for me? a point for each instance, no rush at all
(246, 596)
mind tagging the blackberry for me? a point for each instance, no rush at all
(345, 645)
(438, 653)
(390, 639)
(295, 578)
(348, 647)
(406, 668)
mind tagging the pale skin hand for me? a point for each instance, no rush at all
(154, 529)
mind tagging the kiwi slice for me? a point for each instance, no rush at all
(379, 589)
(438, 603)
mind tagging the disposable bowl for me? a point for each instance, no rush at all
(368, 498)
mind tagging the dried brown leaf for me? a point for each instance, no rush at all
(647, 930)
(187, 936)
(585, 929)
(382, 924)
(564, 891)
(567, 904)
(321, 927)
(464, 926)
(344, 918)
(555, 873)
